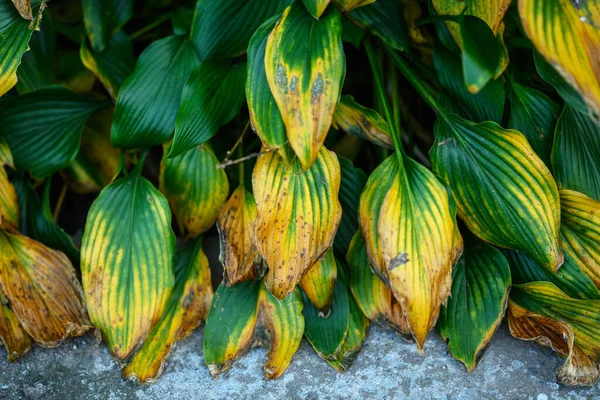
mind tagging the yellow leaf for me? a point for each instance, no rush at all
(319, 281)
(14, 338)
(362, 122)
(9, 204)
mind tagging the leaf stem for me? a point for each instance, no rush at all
(59, 202)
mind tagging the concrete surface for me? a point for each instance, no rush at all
(386, 368)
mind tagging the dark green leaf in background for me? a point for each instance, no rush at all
(385, 20)
(103, 18)
(481, 52)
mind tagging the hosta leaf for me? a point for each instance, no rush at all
(558, 27)
(188, 305)
(149, 98)
(316, 7)
(298, 215)
(372, 296)
(487, 105)
(239, 254)
(104, 18)
(576, 153)
(265, 117)
(111, 65)
(195, 187)
(384, 19)
(127, 254)
(6, 157)
(580, 217)
(351, 185)
(409, 228)
(578, 369)
(12, 335)
(9, 204)
(570, 277)
(211, 97)
(507, 197)
(534, 114)
(24, 8)
(43, 128)
(347, 5)
(222, 29)
(480, 284)
(319, 281)
(42, 289)
(492, 12)
(15, 33)
(305, 67)
(362, 122)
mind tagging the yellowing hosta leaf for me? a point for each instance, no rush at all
(9, 204)
(298, 215)
(6, 157)
(187, 307)
(195, 187)
(569, 39)
(491, 12)
(409, 229)
(239, 254)
(319, 282)
(305, 67)
(12, 335)
(316, 7)
(504, 193)
(347, 5)
(42, 288)
(581, 231)
(127, 256)
(362, 122)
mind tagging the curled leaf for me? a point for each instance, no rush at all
(319, 281)
(362, 122)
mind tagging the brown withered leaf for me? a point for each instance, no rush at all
(24, 8)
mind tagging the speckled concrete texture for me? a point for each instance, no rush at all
(386, 368)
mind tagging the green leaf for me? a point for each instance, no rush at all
(576, 153)
(211, 97)
(384, 19)
(305, 67)
(318, 283)
(223, 28)
(127, 255)
(34, 72)
(504, 193)
(149, 98)
(357, 331)
(361, 121)
(481, 53)
(534, 114)
(316, 7)
(104, 18)
(195, 187)
(486, 105)
(111, 65)
(43, 128)
(480, 283)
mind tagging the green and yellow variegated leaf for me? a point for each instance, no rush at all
(581, 231)
(15, 32)
(316, 7)
(6, 157)
(42, 288)
(103, 19)
(149, 98)
(305, 67)
(372, 296)
(319, 281)
(362, 122)
(480, 284)
(351, 185)
(187, 307)
(239, 254)
(578, 368)
(298, 215)
(569, 39)
(12, 335)
(127, 254)
(195, 187)
(576, 153)
(9, 204)
(384, 19)
(348, 5)
(504, 193)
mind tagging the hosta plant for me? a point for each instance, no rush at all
(420, 164)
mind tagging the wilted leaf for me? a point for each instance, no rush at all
(127, 256)
(480, 283)
(384, 19)
(149, 98)
(569, 40)
(298, 215)
(104, 18)
(412, 13)
(195, 187)
(409, 229)
(316, 7)
(24, 8)
(362, 122)
(239, 254)
(576, 153)
(43, 128)
(188, 305)
(9, 204)
(305, 67)
(319, 281)
(504, 193)
(211, 97)
(12, 335)
(42, 289)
